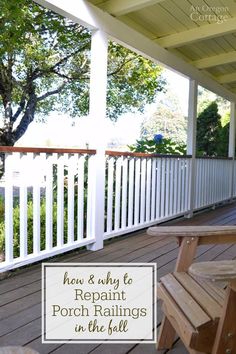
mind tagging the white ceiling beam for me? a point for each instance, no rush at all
(123, 7)
(227, 78)
(138, 27)
(84, 12)
(77, 11)
(198, 34)
(220, 59)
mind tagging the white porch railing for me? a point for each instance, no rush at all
(46, 192)
(213, 181)
(143, 190)
(48, 197)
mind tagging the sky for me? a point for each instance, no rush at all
(180, 86)
(62, 131)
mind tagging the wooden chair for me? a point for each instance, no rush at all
(225, 337)
(194, 307)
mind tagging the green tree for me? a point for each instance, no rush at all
(208, 130)
(223, 141)
(205, 97)
(168, 119)
(44, 66)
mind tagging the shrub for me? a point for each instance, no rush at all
(16, 226)
(158, 145)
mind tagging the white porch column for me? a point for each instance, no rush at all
(97, 116)
(191, 140)
(231, 149)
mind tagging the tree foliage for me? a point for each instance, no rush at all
(168, 119)
(159, 146)
(133, 81)
(206, 97)
(212, 137)
(45, 65)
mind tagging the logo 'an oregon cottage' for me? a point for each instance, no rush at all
(205, 13)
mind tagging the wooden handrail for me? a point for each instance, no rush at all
(46, 150)
(93, 152)
(214, 157)
(142, 154)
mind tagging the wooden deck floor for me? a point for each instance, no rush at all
(20, 295)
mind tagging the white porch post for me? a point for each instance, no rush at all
(191, 140)
(231, 149)
(97, 115)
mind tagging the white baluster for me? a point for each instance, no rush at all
(153, 189)
(137, 192)
(148, 190)
(8, 208)
(60, 200)
(167, 190)
(163, 186)
(110, 193)
(131, 192)
(171, 187)
(49, 203)
(143, 190)
(158, 188)
(117, 192)
(80, 210)
(71, 198)
(124, 194)
(23, 205)
(36, 203)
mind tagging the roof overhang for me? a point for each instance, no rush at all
(160, 49)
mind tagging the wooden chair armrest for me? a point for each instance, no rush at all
(215, 270)
(207, 234)
(191, 231)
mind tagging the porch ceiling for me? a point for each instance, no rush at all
(165, 31)
(188, 29)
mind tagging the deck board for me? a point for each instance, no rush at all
(20, 294)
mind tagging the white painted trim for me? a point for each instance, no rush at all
(231, 149)
(146, 224)
(98, 83)
(192, 118)
(198, 34)
(97, 113)
(232, 127)
(77, 11)
(224, 79)
(9, 256)
(123, 7)
(129, 230)
(32, 258)
(191, 139)
(220, 59)
(93, 17)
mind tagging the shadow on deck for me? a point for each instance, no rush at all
(20, 294)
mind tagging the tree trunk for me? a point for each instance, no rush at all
(8, 136)
(6, 139)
